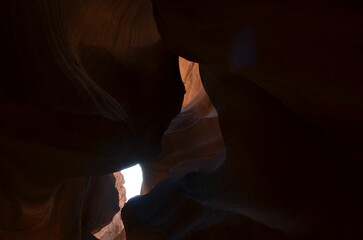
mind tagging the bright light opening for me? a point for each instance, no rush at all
(133, 180)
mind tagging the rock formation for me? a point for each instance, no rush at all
(265, 145)
(115, 230)
(193, 141)
(72, 110)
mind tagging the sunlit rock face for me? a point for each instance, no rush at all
(115, 230)
(193, 141)
(265, 145)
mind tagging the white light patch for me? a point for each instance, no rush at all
(133, 180)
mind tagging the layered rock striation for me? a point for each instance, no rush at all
(265, 145)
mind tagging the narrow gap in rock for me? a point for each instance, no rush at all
(133, 181)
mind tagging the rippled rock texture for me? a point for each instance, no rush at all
(262, 141)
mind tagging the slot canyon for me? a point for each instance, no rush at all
(246, 118)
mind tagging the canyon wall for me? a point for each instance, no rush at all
(262, 141)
